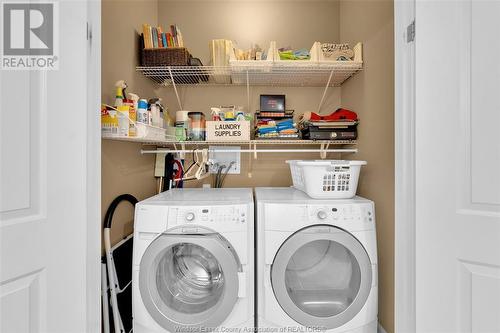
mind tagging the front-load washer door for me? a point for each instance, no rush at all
(321, 276)
(189, 281)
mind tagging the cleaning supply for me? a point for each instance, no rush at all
(216, 114)
(123, 120)
(120, 92)
(156, 116)
(109, 122)
(182, 123)
(197, 126)
(132, 116)
(135, 99)
(142, 112)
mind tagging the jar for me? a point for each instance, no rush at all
(197, 126)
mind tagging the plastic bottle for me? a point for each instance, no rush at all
(142, 112)
(120, 92)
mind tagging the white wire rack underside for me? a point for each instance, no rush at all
(296, 142)
(271, 74)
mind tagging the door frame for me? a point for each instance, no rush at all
(405, 169)
(93, 182)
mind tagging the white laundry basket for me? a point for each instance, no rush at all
(326, 179)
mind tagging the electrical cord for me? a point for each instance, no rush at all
(225, 174)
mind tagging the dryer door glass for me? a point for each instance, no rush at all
(321, 276)
(189, 281)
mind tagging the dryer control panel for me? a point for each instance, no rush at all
(360, 214)
(232, 217)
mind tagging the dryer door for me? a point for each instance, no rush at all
(321, 276)
(189, 281)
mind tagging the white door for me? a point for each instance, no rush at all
(49, 152)
(457, 166)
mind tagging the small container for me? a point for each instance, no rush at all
(197, 126)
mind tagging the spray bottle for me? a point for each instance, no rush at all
(120, 92)
(142, 112)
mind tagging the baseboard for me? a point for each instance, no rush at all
(380, 329)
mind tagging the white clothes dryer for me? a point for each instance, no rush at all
(316, 263)
(193, 261)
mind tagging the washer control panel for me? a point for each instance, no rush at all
(236, 214)
(342, 213)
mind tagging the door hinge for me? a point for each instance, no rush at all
(410, 32)
(89, 32)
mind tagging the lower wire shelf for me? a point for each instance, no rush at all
(250, 146)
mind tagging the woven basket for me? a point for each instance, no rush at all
(173, 56)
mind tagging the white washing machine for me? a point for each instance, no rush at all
(193, 261)
(316, 263)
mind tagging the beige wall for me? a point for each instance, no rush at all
(371, 94)
(290, 23)
(123, 169)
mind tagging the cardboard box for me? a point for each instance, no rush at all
(228, 130)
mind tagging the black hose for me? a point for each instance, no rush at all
(108, 217)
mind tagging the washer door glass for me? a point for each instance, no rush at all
(189, 278)
(321, 276)
(189, 281)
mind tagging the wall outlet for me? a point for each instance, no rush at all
(225, 158)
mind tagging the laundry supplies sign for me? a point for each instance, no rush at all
(228, 130)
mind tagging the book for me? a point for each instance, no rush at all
(155, 37)
(150, 36)
(173, 31)
(169, 39)
(145, 34)
(164, 39)
(180, 40)
(160, 40)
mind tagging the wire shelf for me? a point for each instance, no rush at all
(262, 73)
(296, 142)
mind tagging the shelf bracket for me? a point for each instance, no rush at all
(324, 92)
(175, 87)
(323, 150)
(255, 151)
(248, 94)
(250, 166)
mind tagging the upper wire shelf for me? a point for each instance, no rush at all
(260, 73)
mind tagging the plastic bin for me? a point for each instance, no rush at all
(326, 179)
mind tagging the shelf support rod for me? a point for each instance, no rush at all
(255, 151)
(175, 87)
(324, 91)
(248, 93)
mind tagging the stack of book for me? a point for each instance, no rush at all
(155, 37)
(275, 125)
